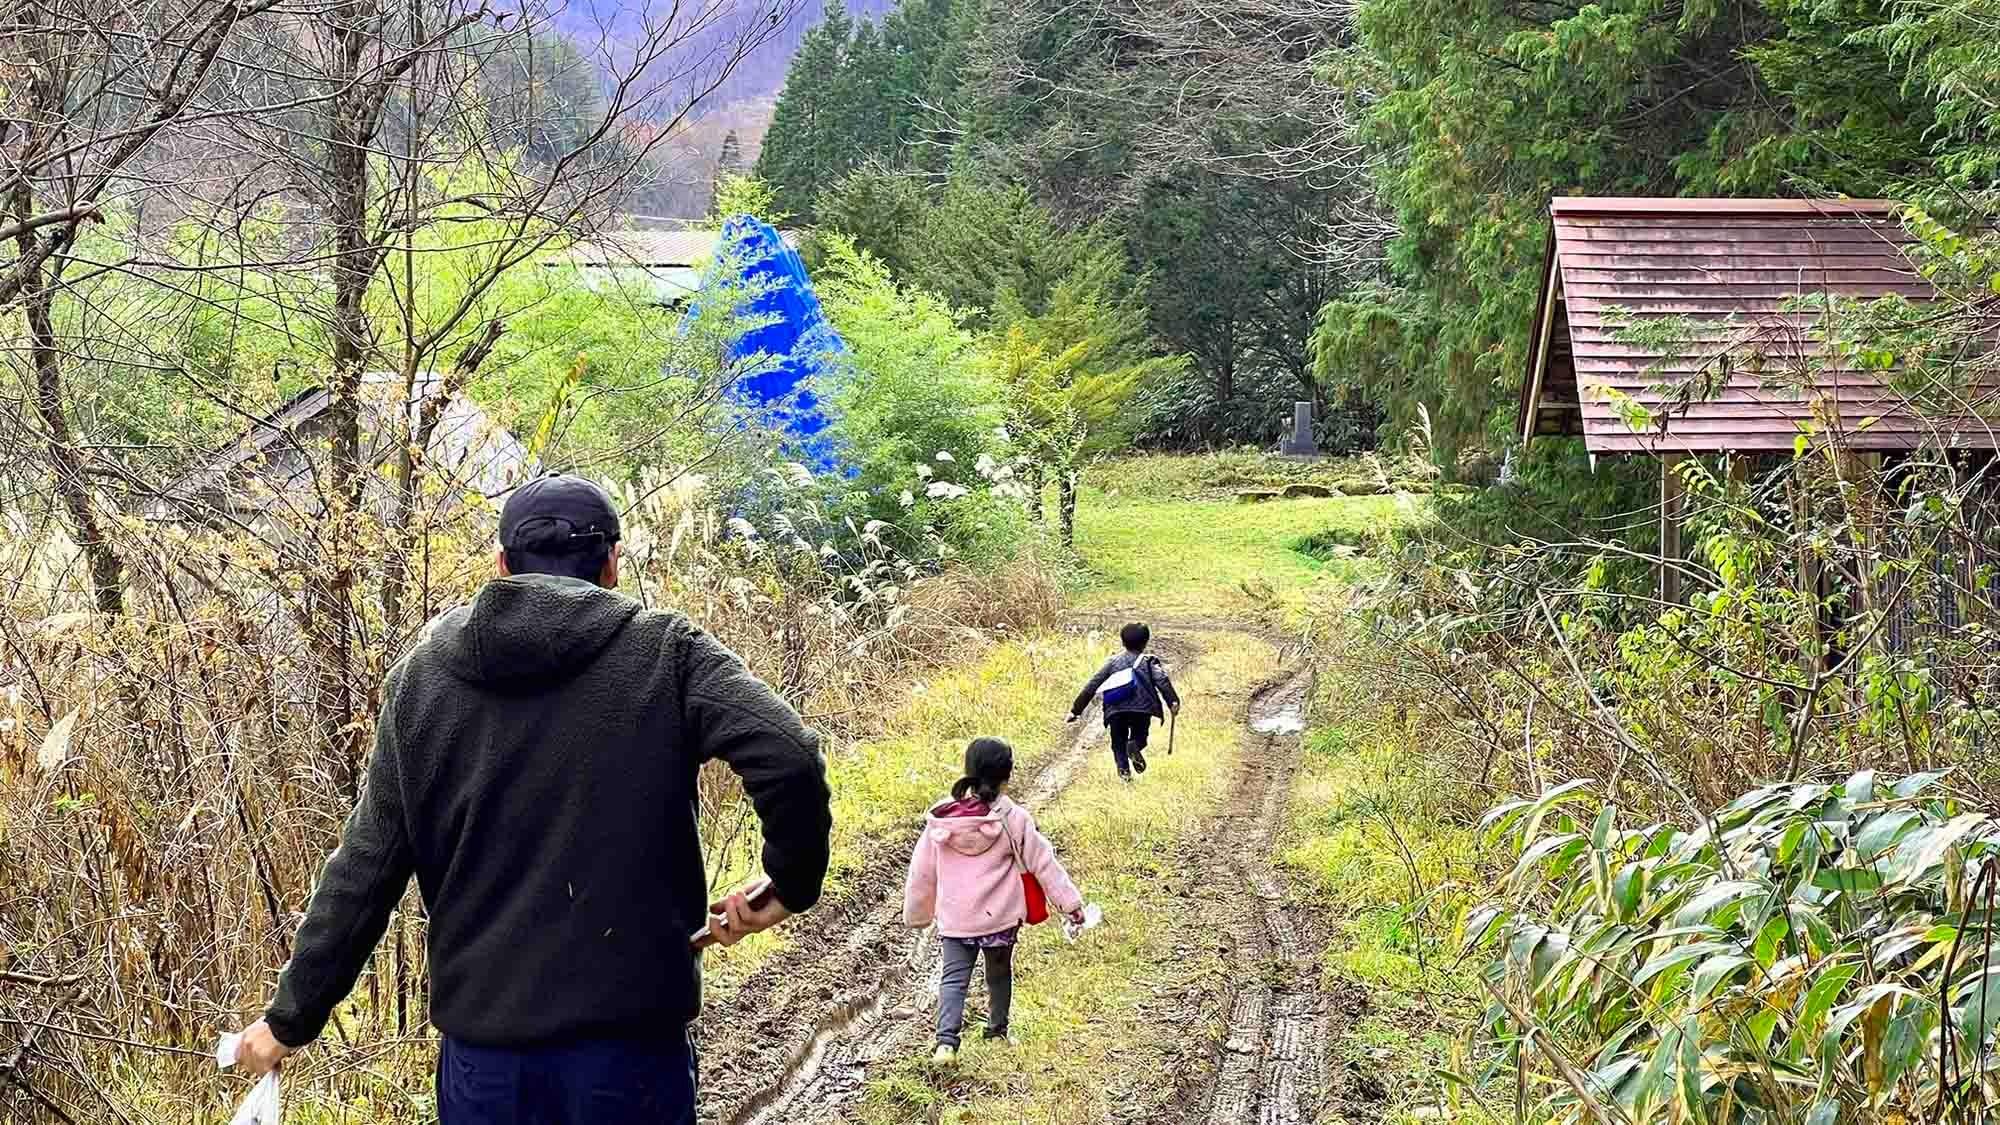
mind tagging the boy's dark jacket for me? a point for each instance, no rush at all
(1143, 702)
(534, 766)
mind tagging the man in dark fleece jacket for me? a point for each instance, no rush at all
(534, 767)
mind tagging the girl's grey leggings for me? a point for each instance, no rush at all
(957, 977)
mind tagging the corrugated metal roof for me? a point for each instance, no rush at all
(683, 246)
(1733, 270)
(468, 446)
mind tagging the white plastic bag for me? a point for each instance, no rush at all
(261, 1107)
(1092, 915)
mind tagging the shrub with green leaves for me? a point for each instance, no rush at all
(1816, 953)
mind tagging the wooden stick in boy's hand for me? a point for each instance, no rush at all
(756, 908)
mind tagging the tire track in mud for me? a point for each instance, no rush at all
(1269, 1068)
(781, 1068)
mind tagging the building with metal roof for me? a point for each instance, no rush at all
(1747, 370)
(1737, 361)
(274, 468)
(663, 256)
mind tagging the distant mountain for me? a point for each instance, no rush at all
(682, 181)
(758, 78)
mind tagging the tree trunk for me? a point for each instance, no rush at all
(1225, 367)
(1066, 484)
(1038, 486)
(331, 589)
(107, 572)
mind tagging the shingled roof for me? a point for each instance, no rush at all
(670, 256)
(275, 457)
(1733, 269)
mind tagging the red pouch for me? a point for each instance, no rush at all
(1038, 900)
(1031, 887)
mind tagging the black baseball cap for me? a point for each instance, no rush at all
(558, 515)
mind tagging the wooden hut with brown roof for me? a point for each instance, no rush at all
(1735, 279)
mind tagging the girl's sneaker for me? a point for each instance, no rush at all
(945, 1054)
(1001, 1036)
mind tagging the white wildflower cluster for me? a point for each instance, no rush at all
(1004, 477)
(783, 566)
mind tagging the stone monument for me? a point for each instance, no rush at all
(1300, 441)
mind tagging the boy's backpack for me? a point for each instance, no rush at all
(1125, 686)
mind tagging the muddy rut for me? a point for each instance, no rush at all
(857, 988)
(1269, 1068)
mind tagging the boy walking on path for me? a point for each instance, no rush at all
(1134, 685)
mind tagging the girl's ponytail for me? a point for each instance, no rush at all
(985, 790)
(989, 763)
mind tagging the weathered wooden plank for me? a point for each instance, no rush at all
(1731, 255)
(1817, 234)
(1670, 205)
(1747, 443)
(1652, 276)
(1667, 295)
(1710, 305)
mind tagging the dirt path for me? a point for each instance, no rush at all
(836, 1006)
(784, 1068)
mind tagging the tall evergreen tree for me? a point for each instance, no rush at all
(804, 150)
(729, 162)
(728, 166)
(865, 111)
(1490, 109)
(861, 92)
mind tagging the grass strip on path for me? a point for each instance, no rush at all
(882, 786)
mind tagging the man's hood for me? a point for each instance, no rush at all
(531, 627)
(970, 835)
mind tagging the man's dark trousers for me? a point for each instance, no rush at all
(601, 1082)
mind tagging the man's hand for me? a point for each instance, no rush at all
(734, 919)
(260, 1052)
(1174, 707)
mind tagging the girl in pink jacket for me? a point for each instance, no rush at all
(966, 876)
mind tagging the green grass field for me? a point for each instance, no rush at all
(1170, 558)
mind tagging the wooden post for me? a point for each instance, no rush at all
(1671, 503)
(1739, 470)
(1812, 584)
